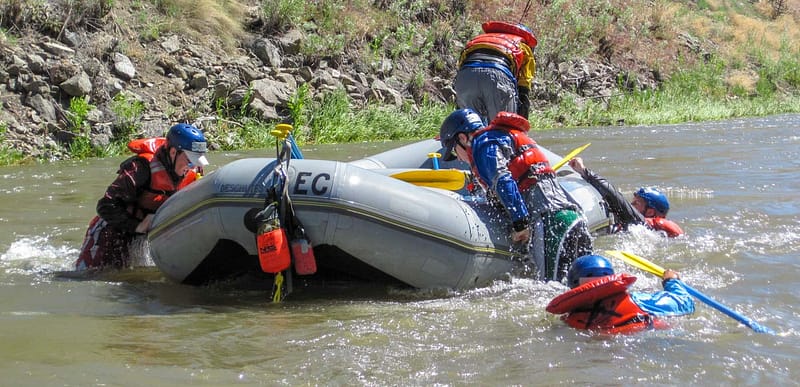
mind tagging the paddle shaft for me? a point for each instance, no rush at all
(727, 311)
(648, 266)
(570, 155)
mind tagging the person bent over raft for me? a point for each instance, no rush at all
(648, 207)
(496, 70)
(598, 299)
(161, 167)
(510, 167)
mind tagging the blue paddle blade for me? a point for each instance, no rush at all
(724, 309)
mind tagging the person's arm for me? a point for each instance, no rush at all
(492, 167)
(123, 192)
(623, 211)
(674, 300)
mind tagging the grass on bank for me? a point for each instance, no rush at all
(751, 52)
(8, 156)
(698, 94)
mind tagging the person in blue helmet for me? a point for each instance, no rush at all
(513, 170)
(496, 70)
(598, 299)
(161, 167)
(649, 205)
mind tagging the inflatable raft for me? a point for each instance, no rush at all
(363, 223)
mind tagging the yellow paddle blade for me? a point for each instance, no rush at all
(450, 179)
(635, 260)
(570, 155)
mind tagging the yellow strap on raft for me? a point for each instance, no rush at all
(276, 287)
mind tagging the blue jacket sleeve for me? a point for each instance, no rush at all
(674, 300)
(492, 166)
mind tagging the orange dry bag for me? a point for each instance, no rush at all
(273, 247)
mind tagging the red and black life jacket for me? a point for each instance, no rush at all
(528, 160)
(503, 38)
(161, 185)
(506, 45)
(661, 224)
(604, 305)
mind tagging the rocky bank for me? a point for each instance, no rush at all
(178, 78)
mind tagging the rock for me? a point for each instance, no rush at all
(291, 41)
(42, 106)
(271, 92)
(171, 44)
(123, 67)
(263, 111)
(36, 63)
(71, 39)
(77, 86)
(58, 49)
(267, 52)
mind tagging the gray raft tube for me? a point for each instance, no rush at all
(361, 222)
(415, 156)
(377, 225)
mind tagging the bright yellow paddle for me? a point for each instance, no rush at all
(569, 156)
(637, 261)
(449, 179)
(650, 267)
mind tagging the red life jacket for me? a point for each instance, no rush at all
(508, 28)
(161, 186)
(528, 160)
(661, 224)
(507, 45)
(604, 305)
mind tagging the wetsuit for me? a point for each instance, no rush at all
(624, 213)
(143, 183)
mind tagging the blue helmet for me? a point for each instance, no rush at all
(588, 266)
(654, 199)
(459, 121)
(187, 138)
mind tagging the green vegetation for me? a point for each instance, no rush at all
(129, 113)
(76, 115)
(8, 156)
(712, 59)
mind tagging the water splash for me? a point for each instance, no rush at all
(30, 255)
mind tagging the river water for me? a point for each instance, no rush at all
(733, 187)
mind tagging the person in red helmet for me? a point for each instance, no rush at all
(496, 70)
(161, 167)
(649, 205)
(598, 299)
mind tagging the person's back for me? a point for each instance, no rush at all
(496, 70)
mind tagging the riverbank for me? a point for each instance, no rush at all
(80, 78)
